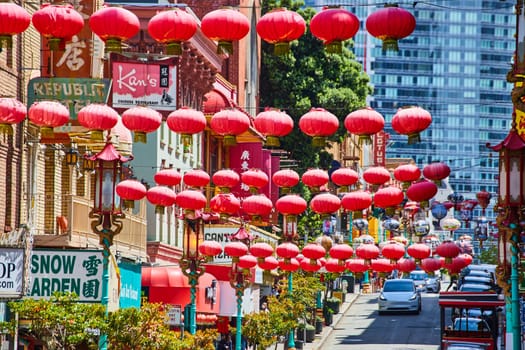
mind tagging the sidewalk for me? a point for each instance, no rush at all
(320, 338)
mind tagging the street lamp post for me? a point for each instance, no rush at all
(191, 265)
(106, 213)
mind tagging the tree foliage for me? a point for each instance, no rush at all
(310, 77)
(61, 322)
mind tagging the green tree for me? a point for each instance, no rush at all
(310, 77)
(489, 255)
(61, 322)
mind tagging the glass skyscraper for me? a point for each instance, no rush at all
(454, 65)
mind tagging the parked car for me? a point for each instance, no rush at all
(464, 345)
(469, 279)
(433, 284)
(474, 287)
(399, 295)
(419, 278)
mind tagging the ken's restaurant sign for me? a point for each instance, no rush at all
(78, 271)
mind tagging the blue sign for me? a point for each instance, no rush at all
(130, 282)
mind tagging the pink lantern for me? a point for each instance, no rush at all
(393, 251)
(365, 123)
(130, 191)
(225, 179)
(356, 201)
(12, 111)
(448, 250)
(367, 252)
(226, 204)
(334, 265)
(141, 120)
(98, 118)
(325, 204)
(376, 176)
(257, 207)
(161, 197)
(315, 179)
(225, 26)
(341, 251)
(196, 178)
(48, 115)
(273, 124)
(261, 250)
(255, 179)
(285, 179)
(406, 265)
(247, 262)
(382, 266)
(187, 122)
(114, 25)
(57, 23)
(229, 123)
(430, 265)
(418, 251)
(268, 263)
(291, 265)
(357, 266)
(167, 177)
(210, 248)
(190, 201)
(236, 250)
(344, 177)
(287, 251)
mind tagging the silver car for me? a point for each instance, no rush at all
(433, 284)
(399, 295)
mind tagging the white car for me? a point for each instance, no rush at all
(399, 295)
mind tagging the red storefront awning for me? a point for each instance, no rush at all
(168, 285)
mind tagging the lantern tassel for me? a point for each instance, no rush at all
(365, 140)
(272, 141)
(53, 43)
(6, 129)
(319, 141)
(174, 48)
(335, 46)
(140, 137)
(113, 45)
(225, 47)
(7, 39)
(280, 49)
(390, 44)
(159, 209)
(414, 138)
(97, 135)
(129, 204)
(229, 140)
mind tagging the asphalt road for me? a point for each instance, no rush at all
(361, 327)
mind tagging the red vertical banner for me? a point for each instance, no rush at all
(380, 142)
(245, 156)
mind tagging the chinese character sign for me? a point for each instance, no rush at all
(380, 141)
(79, 272)
(246, 156)
(152, 85)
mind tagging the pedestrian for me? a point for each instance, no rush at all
(453, 282)
(225, 343)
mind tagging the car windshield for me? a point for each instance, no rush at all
(470, 324)
(418, 276)
(398, 287)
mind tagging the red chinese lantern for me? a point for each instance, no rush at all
(334, 266)
(285, 179)
(255, 179)
(406, 265)
(418, 251)
(57, 23)
(454, 265)
(356, 201)
(333, 25)
(48, 115)
(315, 178)
(467, 257)
(257, 207)
(422, 191)
(382, 266)
(311, 266)
(430, 265)
(279, 27)
(225, 25)
(172, 28)
(364, 122)
(15, 20)
(235, 250)
(290, 265)
(325, 204)
(341, 251)
(406, 174)
(376, 176)
(448, 250)
(436, 172)
(98, 118)
(187, 122)
(390, 24)
(130, 191)
(210, 248)
(12, 111)
(229, 123)
(356, 266)
(287, 251)
(313, 251)
(167, 177)
(225, 179)
(393, 251)
(114, 25)
(388, 198)
(273, 124)
(190, 201)
(261, 250)
(161, 197)
(367, 252)
(319, 124)
(226, 204)
(141, 120)
(196, 178)
(411, 121)
(344, 177)
(291, 205)
(268, 263)
(482, 196)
